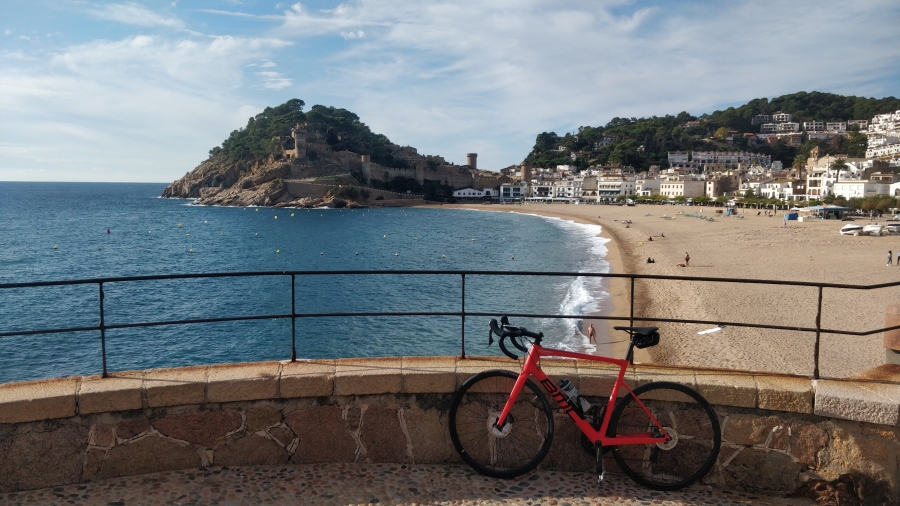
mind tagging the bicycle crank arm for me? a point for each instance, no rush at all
(598, 449)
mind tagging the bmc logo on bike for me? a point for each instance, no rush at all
(557, 396)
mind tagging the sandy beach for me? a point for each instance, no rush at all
(747, 247)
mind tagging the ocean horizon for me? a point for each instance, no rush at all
(67, 231)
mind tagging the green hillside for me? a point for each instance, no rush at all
(269, 131)
(644, 142)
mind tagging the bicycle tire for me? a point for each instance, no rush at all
(686, 416)
(523, 442)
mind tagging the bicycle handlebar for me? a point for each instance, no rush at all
(504, 330)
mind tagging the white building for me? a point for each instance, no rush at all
(759, 119)
(781, 117)
(783, 189)
(814, 126)
(787, 127)
(883, 151)
(471, 193)
(730, 158)
(859, 189)
(682, 188)
(838, 127)
(678, 157)
(513, 191)
(885, 125)
(646, 187)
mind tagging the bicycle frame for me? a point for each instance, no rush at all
(531, 367)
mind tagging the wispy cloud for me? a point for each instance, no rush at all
(134, 14)
(274, 80)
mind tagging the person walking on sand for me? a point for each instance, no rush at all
(890, 258)
(687, 259)
(592, 335)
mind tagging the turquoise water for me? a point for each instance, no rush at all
(58, 231)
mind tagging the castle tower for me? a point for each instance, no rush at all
(526, 171)
(472, 160)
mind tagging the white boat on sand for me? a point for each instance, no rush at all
(872, 229)
(851, 229)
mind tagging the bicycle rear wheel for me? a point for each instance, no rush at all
(686, 416)
(523, 441)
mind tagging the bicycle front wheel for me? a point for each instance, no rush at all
(516, 448)
(688, 419)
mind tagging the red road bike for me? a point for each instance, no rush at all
(662, 435)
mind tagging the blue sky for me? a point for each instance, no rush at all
(140, 91)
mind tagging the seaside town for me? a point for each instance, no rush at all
(723, 176)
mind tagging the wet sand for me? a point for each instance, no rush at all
(747, 247)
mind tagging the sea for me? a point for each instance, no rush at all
(76, 231)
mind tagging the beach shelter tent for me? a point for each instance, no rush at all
(828, 212)
(791, 216)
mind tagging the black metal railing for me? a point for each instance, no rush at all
(102, 327)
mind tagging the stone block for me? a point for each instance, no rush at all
(749, 429)
(426, 375)
(785, 393)
(471, 366)
(383, 438)
(427, 428)
(596, 379)
(149, 455)
(762, 470)
(323, 435)
(121, 391)
(175, 387)
(723, 388)
(252, 450)
(262, 417)
(651, 373)
(307, 378)
(102, 435)
(130, 429)
(357, 376)
(859, 401)
(242, 382)
(204, 428)
(29, 401)
(42, 459)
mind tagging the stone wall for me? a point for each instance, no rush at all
(781, 434)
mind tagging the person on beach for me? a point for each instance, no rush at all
(687, 259)
(592, 335)
(890, 258)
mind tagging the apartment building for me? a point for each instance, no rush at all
(781, 117)
(682, 188)
(858, 189)
(513, 191)
(838, 127)
(723, 184)
(678, 157)
(759, 119)
(731, 158)
(646, 187)
(784, 189)
(887, 125)
(814, 126)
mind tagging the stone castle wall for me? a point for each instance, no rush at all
(781, 434)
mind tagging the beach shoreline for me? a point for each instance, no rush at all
(746, 246)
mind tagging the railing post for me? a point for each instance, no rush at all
(818, 335)
(102, 332)
(463, 312)
(631, 316)
(631, 322)
(293, 320)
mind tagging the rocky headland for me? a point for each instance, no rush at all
(285, 157)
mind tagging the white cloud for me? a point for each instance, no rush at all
(504, 71)
(143, 108)
(353, 35)
(24, 37)
(274, 80)
(268, 64)
(7, 31)
(134, 14)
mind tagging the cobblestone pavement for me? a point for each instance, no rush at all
(372, 484)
